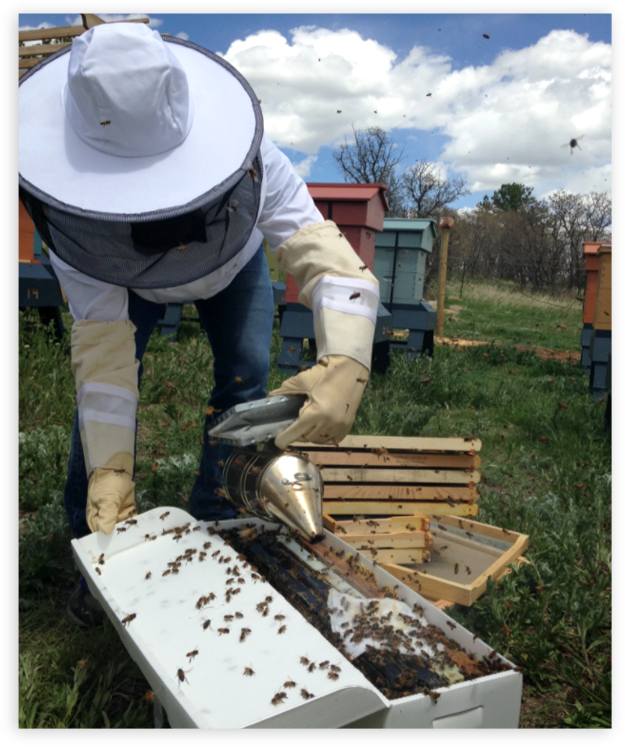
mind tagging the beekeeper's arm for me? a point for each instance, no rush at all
(106, 371)
(342, 294)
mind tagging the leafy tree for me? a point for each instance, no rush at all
(509, 197)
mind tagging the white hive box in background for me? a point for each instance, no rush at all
(215, 692)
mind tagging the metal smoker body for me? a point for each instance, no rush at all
(275, 485)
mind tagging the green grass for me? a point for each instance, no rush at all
(546, 472)
(499, 313)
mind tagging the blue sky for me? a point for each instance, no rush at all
(500, 111)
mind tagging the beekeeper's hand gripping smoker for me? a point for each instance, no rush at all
(259, 478)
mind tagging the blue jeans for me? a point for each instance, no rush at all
(238, 323)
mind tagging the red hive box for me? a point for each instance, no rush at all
(591, 257)
(358, 210)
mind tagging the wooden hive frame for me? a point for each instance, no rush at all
(461, 589)
(396, 540)
(394, 476)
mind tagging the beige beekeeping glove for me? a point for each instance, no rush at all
(111, 494)
(105, 368)
(334, 388)
(344, 297)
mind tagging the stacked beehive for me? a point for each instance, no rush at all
(398, 476)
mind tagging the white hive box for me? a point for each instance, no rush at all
(215, 692)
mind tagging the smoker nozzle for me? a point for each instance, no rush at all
(274, 485)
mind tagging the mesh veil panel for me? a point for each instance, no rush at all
(164, 248)
(160, 253)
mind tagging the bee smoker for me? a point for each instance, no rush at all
(267, 482)
(275, 485)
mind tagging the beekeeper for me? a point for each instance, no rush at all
(144, 166)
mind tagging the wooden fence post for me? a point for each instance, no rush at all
(445, 224)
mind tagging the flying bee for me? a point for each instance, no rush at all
(354, 296)
(128, 619)
(162, 517)
(248, 672)
(278, 698)
(573, 143)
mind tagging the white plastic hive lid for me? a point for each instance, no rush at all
(215, 692)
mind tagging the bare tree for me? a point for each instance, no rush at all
(578, 218)
(426, 193)
(372, 158)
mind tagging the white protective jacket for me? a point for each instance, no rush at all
(344, 299)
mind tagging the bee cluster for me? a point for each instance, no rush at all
(399, 659)
(403, 658)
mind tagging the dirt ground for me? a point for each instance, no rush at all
(564, 356)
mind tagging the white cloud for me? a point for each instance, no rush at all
(182, 35)
(505, 121)
(302, 168)
(110, 17)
